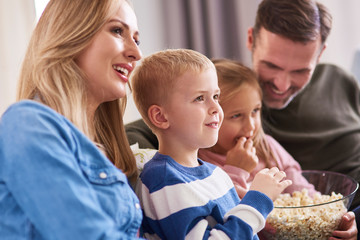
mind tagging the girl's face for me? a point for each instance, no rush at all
(241, 118)
(111, 56)
(193, 110)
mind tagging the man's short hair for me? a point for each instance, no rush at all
(297, 20)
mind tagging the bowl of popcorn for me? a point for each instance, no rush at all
(312, 210)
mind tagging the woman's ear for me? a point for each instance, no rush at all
(157, 117)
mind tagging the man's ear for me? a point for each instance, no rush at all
(158, 117)
(250, 38)
(321, 52)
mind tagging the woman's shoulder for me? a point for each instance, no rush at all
(28, 109)
(29, 118)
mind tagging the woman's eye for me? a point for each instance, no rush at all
(199, 98)
(118, 31)
(137, 42)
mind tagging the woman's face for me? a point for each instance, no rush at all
(111, 56)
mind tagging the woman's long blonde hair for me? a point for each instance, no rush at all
(231, 76)
(49, 73)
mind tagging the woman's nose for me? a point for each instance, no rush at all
(132, 51)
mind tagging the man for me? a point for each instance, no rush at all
(311, 109)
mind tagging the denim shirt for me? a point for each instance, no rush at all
(56, 184)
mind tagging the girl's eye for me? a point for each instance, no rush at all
(199, 98)
(216, 96)
(256, 110)
(235, 116)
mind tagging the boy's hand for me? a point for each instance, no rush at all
(243, 155)
(270, 182)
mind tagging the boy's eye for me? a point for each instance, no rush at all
(199, 98)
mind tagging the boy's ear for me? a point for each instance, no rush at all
(157, 117)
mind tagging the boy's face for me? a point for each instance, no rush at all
(193, 110)
(241, 118)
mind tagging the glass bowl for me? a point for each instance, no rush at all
(314, 212)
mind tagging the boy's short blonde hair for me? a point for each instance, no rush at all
(154, 79)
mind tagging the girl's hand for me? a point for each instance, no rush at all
(243, 155)
(270, 182)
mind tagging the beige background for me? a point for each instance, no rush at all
(17, 18)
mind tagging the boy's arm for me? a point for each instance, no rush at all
(241, 222)
(246, 219)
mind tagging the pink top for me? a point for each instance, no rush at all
(242, 179)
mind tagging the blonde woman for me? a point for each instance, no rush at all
(62, 144)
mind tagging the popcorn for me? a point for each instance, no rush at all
(311, 222)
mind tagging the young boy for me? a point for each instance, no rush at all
(176, 92)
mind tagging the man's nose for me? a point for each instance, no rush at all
(282, 82)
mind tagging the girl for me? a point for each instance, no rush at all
(243, 149)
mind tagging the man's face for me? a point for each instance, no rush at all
(283, 67)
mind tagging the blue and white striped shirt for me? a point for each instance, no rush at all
(197, 203)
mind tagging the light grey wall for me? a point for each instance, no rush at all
(344, 38)
(342, 42)
(17, 19)
(152, 39)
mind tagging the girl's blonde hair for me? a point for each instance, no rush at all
(49, 73)
(231, 76)
(153, 81)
